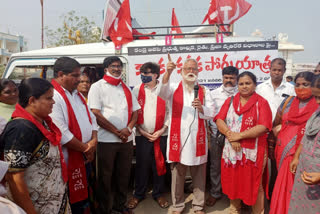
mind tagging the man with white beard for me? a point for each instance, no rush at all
(219, 96)
(187, 141)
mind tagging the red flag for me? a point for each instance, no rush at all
(121, 29)
(174, 22)
(226, 12)
(142, 35)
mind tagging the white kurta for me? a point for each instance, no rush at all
(219, 96)
(59, 116)
(112, 102)
(150, 109)
(188, 144)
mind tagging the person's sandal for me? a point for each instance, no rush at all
(162, 201)
(133, 203)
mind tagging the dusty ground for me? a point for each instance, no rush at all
(149, 206)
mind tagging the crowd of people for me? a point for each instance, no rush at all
(67, 145)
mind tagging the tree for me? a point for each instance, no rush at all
(60, 37)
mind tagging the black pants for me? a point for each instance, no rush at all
(114, 165)
(215, 168)
(145, 163)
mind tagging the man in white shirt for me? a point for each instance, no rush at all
(219, 95)
(78, 127)
(275, 90)
(189, 106)
(116, 110)
(151, 137)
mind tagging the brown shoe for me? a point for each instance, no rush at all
(162, 201)
(133, 203)
(211, 201)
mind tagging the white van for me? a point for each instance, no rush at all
(39, 63)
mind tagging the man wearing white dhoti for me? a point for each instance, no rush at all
(189, 106)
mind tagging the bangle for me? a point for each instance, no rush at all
(129, 129)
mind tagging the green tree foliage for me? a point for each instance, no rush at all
(60, 36)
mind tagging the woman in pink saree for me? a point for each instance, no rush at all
(289, 127)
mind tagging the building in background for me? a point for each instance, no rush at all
(287, 49)
(10, 44)
(300, 67)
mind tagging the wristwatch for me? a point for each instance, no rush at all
(129, 129)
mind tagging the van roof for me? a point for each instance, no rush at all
(104, 48)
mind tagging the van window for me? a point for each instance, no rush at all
(22, 72)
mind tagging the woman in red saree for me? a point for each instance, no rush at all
(289, 127)
(245, 122)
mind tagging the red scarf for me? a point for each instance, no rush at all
(127, 92)
(160, 115)
(249, 116)
(78, 187)
(175, 132)
(301, 118)
(53, 135)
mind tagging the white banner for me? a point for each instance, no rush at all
(212, 58)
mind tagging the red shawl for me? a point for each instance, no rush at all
(53, 135)
(300, 118)
(78, 188)
(249, 119)
(175, 132)
(127, 92)
(250, 115)
(160, 115)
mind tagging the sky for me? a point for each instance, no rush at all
(299, 19)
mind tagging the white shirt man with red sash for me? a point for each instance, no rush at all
(187, 141)
(78, 127)
(116, 110)
(151, 137)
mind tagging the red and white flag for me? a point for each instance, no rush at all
(226, 12)
(110, 12)
(174, 22)
(120, 30)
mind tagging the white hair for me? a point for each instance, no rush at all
(190, 59)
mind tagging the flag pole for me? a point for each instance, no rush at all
(41, 24)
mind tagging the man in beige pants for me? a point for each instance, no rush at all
(189, 106)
